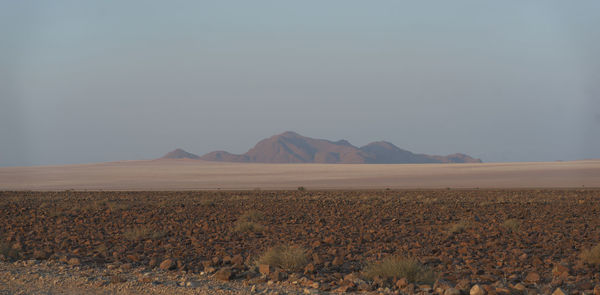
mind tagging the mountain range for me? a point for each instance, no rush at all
(291, 147)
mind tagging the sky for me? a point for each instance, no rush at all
(95, 81)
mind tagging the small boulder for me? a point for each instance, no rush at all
(167, 264)
(237, 260)
(401, 283)
(277, 275)
(40, 254)
(264, 269)
(310, 268)
(559, 291)
(559, 269)
(224, 274)
(477, 290)
(452, 291)
(337, 261)
(74, 261)
(192, 284)
(532, 277)
(153, 262)
(520, 287)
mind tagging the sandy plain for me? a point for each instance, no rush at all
(202, 175)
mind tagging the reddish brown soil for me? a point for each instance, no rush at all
(196, 231)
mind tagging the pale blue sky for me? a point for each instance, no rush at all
(84, 81)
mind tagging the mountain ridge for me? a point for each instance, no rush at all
(291, 147)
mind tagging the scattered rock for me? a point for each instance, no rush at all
(74, 261)
(477, 290)
(310, 268)
(559, 291)
(401, 283)
(520, 287)
(264, 269)
(224, 274)
(337, 261)
(167, 264)
(452, 291)
(532, 277)
(277, 275)
(192, 284)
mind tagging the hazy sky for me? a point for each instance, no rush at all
(90, 81)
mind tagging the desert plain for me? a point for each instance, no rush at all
(194, 227)
(186, 174)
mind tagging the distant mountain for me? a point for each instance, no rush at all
(180, 154)
(291, 147)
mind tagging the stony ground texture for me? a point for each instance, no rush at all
(476, 241)
(48, 277)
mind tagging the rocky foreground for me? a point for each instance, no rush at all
(461, 242)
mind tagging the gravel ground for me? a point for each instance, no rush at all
(47, 277)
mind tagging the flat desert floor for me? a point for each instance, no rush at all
(195, 175)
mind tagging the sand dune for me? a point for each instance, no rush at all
(196, 174)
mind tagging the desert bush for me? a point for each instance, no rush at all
(290, 258)
(512, 224)
(301, 188)
(458, 227)
(143, 233)
(398, 267)
(249, 226)
(209, 202)
(252, 216)
(55, 212)
(591, 256)
(116, 205)
(7, 251)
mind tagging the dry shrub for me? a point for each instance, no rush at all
(458, 227)
(249, 226)
(512, 224)
(7, 251)
(207, 202)
(398, 267)
(290, 258)
(591, 256)
(252, 216)
(143, 233)
(116, 205)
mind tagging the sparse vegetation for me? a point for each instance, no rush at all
(512, 224)
(301, 188)
(252, 216)
(248, 222)
(347, 234)
(7, 250)
(290, 258)
(207, 202)
(143, 233)
(399, 267)
(591, 256)
(458, 227)
(249, 227)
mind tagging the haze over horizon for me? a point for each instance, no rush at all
(103, 81)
